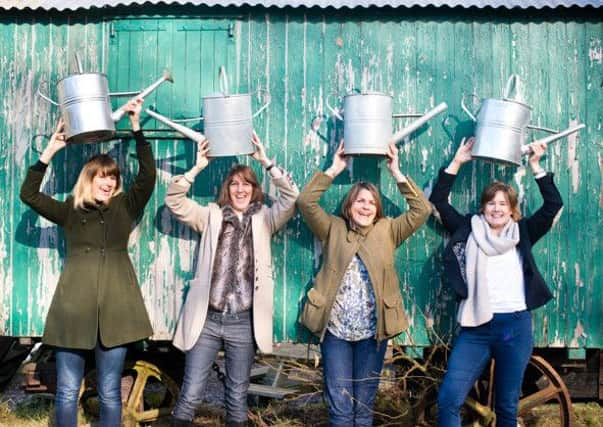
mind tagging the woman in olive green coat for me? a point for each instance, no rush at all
(97, 304)
(355, 304)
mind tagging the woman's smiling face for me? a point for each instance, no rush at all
(103, 187)
(240, 192)
(364, 208)
(497, 211)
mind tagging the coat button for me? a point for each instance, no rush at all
(257, 288)
(83, 220)
(102, 251)
(102, 221)
(87, 250)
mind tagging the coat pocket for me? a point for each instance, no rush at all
(313, 312)
(395, 320)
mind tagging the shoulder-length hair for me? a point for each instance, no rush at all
(350, 198)
(102, 165)
(249, 176)
(509, 193)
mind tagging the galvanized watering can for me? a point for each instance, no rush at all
(502, 126)
(367, 125)
(227, 122)
(86, 108)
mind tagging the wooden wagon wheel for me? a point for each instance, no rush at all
(541, 385)
(147, 393)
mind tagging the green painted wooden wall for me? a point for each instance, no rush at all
(419, 56)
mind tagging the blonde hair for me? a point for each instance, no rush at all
(350, 198)
(249, 176)
(102, 165)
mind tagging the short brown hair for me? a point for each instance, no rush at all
(102, 165)
(350, 198)
(249, 176)
(510, 194)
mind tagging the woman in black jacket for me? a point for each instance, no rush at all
(489, 264)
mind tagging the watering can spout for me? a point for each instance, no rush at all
(188, 132)
(418, 123)
(526, 149)
(121, 111)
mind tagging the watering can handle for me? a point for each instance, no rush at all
(333, 110)
(44, 97)
(263, 106)
(192, 119)
(223, 81)
(466, 110)
(511, 86)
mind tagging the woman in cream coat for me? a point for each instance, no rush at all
(229, 303)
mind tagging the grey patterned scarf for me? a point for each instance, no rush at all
(231, 288)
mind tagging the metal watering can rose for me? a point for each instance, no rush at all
(367, 122)
(227, 121)
(502, 126)
(86, 108)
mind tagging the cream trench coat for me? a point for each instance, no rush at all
(207, 220)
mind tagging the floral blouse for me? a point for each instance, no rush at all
(353, 316)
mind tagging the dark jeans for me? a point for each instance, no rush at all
(508, 339)
(234, 332)
(70, 372)
(351, 374)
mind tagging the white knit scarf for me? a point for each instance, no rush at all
(475, 310)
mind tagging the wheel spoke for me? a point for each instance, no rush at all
(540, 397)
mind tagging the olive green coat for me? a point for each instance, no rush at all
(97, 294)
(374, 244)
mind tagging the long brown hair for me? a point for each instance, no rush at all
(102, 165)
(352, 195)
(510, 194)
(248, 175)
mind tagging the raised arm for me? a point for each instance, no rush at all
(542, 220)
(284, 206)
(314, 215)
(419, 208)
(182, 207)
(51, 209)
(451, 218)
(140, 192)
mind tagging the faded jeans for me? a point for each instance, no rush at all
(351, 375)
(70, 372)
(234, 333)
(508, 339)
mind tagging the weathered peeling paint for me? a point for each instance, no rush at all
(302, 57)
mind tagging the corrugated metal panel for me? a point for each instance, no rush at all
(302, 58)
(337, 4)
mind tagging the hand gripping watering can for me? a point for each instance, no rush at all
(502, 126)
(86, 108)
(228, 122)
(367, 122)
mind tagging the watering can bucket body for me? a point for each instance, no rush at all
(501, 130)
(85, 108)
(367, 126)
(228, 124)
(84, 101)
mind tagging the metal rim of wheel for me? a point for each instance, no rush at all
(542, 384)
(136, 376)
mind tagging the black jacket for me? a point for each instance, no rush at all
(531, 229)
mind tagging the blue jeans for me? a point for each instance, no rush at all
(70, 372)
(351, 375)
(508, 339)
(234, 332)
